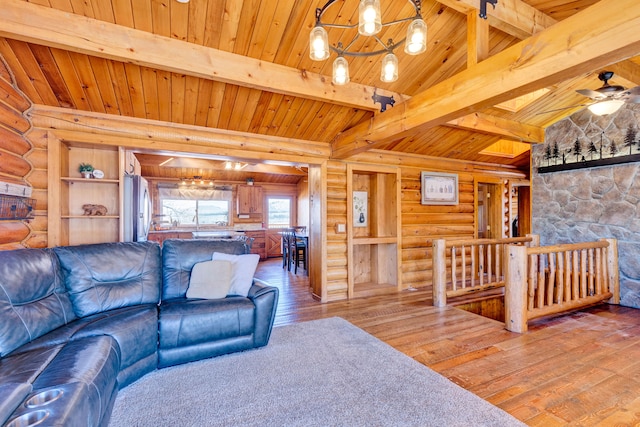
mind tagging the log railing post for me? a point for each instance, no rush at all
(612, 270)
(515, 298)
(535, 240)
(439, 273)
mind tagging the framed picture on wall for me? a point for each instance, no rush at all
(439, 188)
(360, 214)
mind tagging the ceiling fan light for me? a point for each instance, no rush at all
(369, 17)
(389, 71)
(416, 41)
(318, 44)
(340, 71)
(228, 165)
(604, 108)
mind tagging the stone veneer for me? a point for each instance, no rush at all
(592, 203)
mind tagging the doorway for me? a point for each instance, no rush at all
(489, 211)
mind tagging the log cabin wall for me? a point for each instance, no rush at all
(21, 162)
(575, 206)
(420, 224)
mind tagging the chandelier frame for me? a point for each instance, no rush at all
(386, 48)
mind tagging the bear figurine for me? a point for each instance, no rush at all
(94, 210)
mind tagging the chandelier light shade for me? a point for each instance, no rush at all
(369, 17)
(319, 44)
(604, 108)
(340, 71)
(389, 68)
(416, 41)
(369, 24)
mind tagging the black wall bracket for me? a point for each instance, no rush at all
(383, 100)
(483, 7)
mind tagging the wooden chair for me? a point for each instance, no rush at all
(286, 237)
(298, 248)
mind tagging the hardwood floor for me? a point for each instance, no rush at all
(579, 369)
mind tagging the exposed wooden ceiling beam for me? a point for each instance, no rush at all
(514, 17)
(481, 122)
(46, 26)
(627, 70)
(594, 38)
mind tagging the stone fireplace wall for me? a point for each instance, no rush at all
(588, 204)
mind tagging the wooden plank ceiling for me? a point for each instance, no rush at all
(66, 73)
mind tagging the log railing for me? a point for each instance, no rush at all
(464, 267)
(547, 280)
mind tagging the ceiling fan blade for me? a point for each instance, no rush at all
(591, 93)
(634, 90)
(632, 99)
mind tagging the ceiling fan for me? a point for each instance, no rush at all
(608, 91)
(607, 99)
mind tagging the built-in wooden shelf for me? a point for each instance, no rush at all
(373, 240)
(373, 231)
(90, 216)
(67, 223)
(91, 181)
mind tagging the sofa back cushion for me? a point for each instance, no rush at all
(107, 276)
(33, 299)
(179, 257)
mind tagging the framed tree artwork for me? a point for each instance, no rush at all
(439, 188)
(360, 213)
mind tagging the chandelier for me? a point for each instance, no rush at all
(369, 24)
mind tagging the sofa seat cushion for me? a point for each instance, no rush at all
(33, 299)
(190, 322)
(134, 328)
(107, 276)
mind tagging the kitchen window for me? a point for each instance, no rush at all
(278, 212)
(196, 212)
(195, 207)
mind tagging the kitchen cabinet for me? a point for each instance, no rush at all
(259, 245)
(249, 199)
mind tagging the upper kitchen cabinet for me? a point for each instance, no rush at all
(249, 200)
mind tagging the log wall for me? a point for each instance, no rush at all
(20, 162)
(420, 224)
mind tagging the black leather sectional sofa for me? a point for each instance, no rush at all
(79, 323)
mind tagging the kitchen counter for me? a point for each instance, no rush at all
(217, 234)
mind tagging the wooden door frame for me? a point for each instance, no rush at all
(495, 216)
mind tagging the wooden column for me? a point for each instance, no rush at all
(477, 38)
(612, 270)
(515, 297)
(439, 273)
(535, 240)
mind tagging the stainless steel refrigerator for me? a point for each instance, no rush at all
(137, 209)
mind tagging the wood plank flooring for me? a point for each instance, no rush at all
(580, 369)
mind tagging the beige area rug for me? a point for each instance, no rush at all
(319, 373)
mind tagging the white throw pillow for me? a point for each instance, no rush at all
(210, 279)
(244, 267)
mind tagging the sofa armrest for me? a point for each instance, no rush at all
(265, 299)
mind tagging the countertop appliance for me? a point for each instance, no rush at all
(137, 209)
